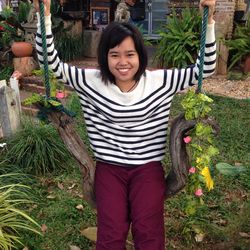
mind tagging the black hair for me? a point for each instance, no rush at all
(112, 36)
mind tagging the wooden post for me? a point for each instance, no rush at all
(9, 111)
(91, 39)
(222, 59)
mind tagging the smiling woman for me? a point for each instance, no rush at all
(127, 131)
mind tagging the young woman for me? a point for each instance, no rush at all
(126, 110)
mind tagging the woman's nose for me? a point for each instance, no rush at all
(123, 60)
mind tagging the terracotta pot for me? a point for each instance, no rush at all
(247, 64)
(21, 49)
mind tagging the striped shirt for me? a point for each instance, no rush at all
(127, 129)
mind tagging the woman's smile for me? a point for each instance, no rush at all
(123, 61)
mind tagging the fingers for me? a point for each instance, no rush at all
(211, 5)
(46, 6)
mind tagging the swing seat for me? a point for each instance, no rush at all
(175, 180)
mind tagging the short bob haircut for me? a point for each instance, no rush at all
(112, 36)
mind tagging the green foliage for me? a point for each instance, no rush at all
(6, 72)
(239, 45)
(180, 39)
(10, 23)
(23, 11)
(69, 46)
(13, 220)
(55, 84)
(196, 105)
(37, 149)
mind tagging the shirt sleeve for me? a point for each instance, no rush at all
(63, 71)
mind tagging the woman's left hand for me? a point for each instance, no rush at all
(211, 5)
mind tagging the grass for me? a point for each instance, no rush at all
(225, 221)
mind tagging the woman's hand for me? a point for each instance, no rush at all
(46, 6)
(211, 5)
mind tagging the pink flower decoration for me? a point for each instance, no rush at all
(187, 139)
(198, 192)
(192, 170)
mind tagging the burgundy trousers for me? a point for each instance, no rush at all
(130, 196)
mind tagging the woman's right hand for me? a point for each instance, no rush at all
(46, 6)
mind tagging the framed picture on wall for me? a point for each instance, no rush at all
(99, 17)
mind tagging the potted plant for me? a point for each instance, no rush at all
(12, 32)
(239, 46)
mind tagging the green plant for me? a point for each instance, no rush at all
(6, 72)
(239, 45)
(55, 84)
(69, 47)
(13, 220)
(11, 24)
(179, 39)
(37, 149)
(200, 146)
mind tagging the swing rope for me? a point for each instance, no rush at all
(53, 101)
(202, 48)
(45, 52)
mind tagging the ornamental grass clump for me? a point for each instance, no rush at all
(37, 149)
(13, 220)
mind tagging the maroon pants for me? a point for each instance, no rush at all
(127, 196)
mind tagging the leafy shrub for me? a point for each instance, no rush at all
(12, 219)
(180, 39)
(37, 149)
(69, 47)
(239, 45)
(6, 72)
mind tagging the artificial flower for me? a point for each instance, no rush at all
(198, 192)
(205, 172)
(187, 139)
(192, 170)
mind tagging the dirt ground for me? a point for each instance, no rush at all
(219, 85)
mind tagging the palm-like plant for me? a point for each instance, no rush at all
(239, 45)
(12, 218)
(180, 39)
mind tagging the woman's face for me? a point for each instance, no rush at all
(123, 62)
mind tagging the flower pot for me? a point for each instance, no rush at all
(21, 49)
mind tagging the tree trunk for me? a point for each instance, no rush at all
(65, 126)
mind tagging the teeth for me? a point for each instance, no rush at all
(123, 70)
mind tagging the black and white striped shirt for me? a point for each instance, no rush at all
(127, 128)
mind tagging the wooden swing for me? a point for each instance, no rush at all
(177, 177)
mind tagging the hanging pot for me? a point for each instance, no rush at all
(21, 49)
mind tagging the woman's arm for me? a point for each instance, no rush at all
(180, 79)
(68, 74)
